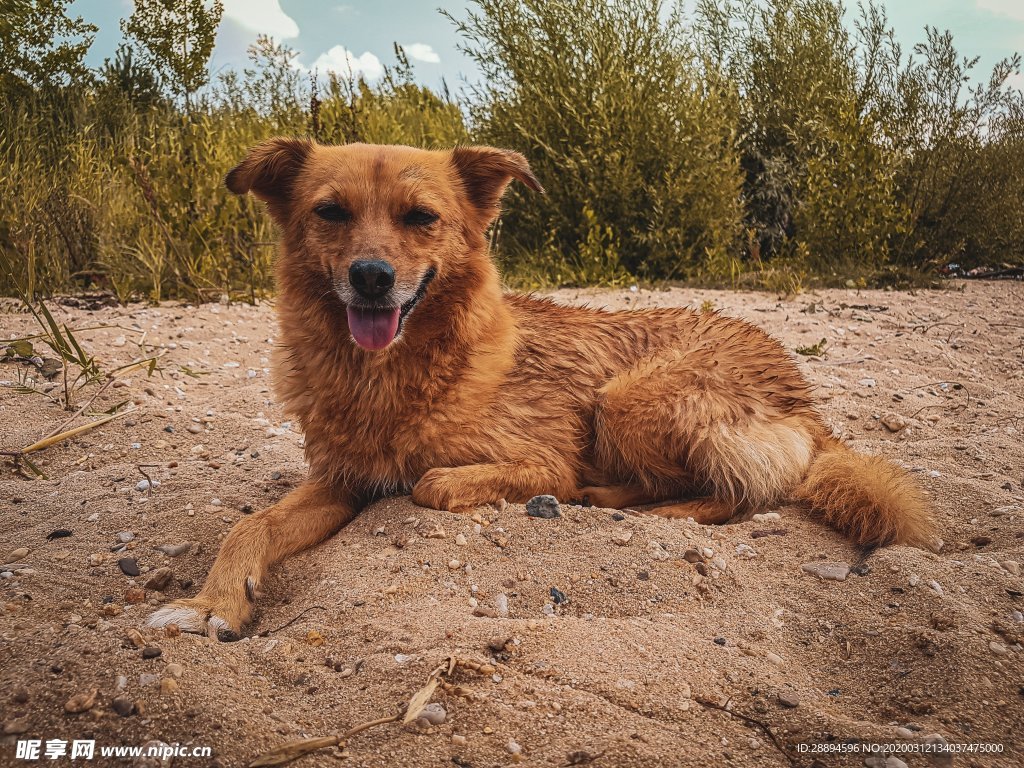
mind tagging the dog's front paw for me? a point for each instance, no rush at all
(454, 489)
(218, 617)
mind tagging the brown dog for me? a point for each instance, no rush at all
(409, 369)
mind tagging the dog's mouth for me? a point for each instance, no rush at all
(375, 327)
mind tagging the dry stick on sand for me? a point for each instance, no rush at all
(438, 678)
(955, 385)
(750, 721)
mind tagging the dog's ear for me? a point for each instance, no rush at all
(486, 171)
(269, 169)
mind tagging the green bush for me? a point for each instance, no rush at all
(634, 147)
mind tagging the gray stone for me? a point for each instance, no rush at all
(545, 507)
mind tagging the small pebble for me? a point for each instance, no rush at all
(125, 536)
(828, 571)
(765, 517)
(513, 748)
(894, 422)
(122, 705)
(16, 727)
(175, 550)
(497, 644)
(16, 554)
(622, 536)
(544, 507)
(997, 648)
(151, 652)
(501, 604)
(692, 556)
(128, 566)
(145, 485)
(789, 699)
(160, 579)
(81, 702)
(60, 533)
(433, 713)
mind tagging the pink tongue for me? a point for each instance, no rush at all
(373, 328)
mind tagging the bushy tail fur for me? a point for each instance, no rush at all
(868, 498)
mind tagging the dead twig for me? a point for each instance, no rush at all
(925, 328)
(750, 721)
(288, 623)
(438, 677)
(149, 480)
(956, 385)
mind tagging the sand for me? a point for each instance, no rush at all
(642, 656)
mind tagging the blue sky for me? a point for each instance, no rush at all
(333, 33)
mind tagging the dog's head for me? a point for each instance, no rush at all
(379, 224)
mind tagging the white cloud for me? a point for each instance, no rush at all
(342, 61)
(1013, 9)
(422, 52)
(264, 17)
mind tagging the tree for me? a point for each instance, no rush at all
(176, 37)
(40, 45)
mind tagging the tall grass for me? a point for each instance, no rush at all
(752, 141)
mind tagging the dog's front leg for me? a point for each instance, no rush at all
(460, 489)
(306, 516)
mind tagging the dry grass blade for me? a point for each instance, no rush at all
(61, 437)
(293, 750)
(422, 697)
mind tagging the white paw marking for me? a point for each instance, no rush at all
(187, 619)
(213, 626)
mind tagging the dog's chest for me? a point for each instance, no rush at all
(382, 432)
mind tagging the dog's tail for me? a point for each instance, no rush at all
(868, 498)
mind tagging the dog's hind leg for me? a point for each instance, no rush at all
(703, 511)
(305, 517)
(616, 496)
(736, 435)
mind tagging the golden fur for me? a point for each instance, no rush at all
(486, 396)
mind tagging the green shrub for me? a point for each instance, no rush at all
(635, 149)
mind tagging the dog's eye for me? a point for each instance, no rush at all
(332, 212)
(420, 217)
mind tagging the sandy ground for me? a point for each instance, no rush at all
(636, 666)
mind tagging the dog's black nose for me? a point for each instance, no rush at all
(371, 279)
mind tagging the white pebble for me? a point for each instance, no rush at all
(433, 713)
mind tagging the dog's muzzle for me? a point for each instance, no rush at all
(374, 326)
